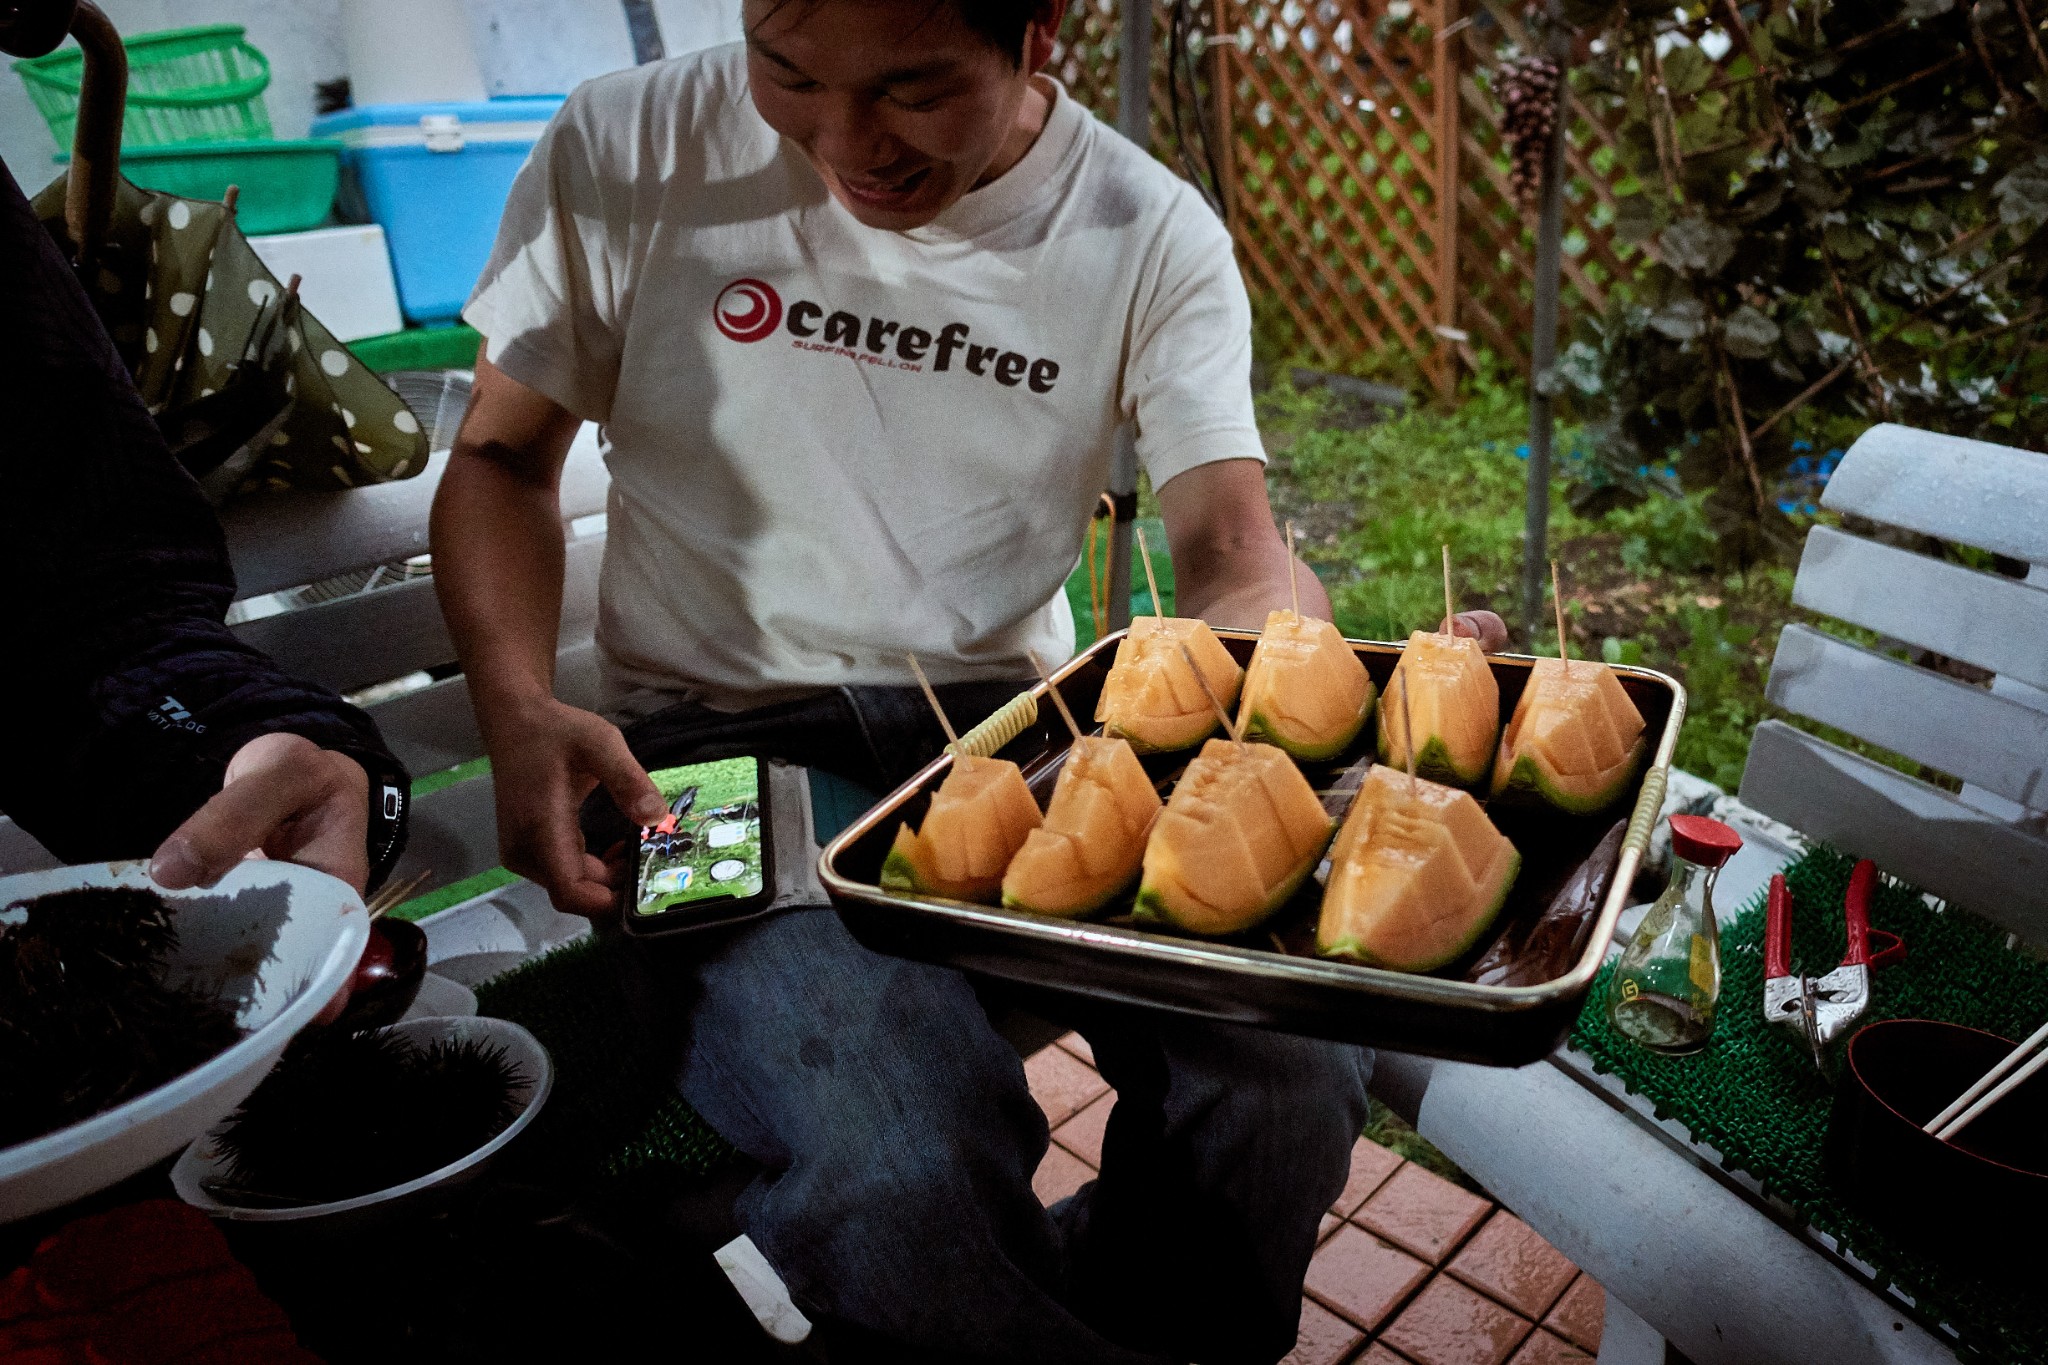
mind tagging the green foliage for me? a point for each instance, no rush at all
(1847, 215)
(1665, 535)
(1722, 692)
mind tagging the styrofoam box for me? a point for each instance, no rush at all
(344, 274)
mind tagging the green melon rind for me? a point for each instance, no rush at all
(1011, 903)
(1144, 746)
(1151, 906)
(1261, 728)
(899, 873)
(1434, 764)
(1529, 785)
(1351, 950)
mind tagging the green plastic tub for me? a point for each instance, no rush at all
(200, 84)
(285, 186)
(420, 348)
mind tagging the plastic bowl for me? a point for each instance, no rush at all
(276, 940)
(201, 1163)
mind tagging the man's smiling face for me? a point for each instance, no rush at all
(899, 104)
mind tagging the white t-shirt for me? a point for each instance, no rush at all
(831, 444)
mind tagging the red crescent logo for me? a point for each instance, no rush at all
(747, 310)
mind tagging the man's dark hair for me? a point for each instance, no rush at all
(1001, 22)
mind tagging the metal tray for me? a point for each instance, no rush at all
(1576, 873)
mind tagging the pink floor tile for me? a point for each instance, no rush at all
(1542, 1348)
(1324, 1338)
(1580, 1314)
(1371, 1164)
(1082, 1134)
(1361, 1277)
(1061, 1083)
(1059, 1175)
(1076, 1044)
(1331, 1222)
(1377, 1354)
(1420, 1211)
(1448, 1324)
(1508, 1260)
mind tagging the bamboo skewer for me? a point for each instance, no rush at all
(1408, 735)
(1235, 733)
(1151, 583)
(1557, 605)
(1052, 689)
(952, 739)
(1974, 1101)
(1450, 612)
(1293, 583)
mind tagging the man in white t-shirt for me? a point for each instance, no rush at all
(860, 304)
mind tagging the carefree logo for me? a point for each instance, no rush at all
(748, 310)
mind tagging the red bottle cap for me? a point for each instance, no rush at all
(1697, 839)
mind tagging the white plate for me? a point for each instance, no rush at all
(201, 1162)
(276, 940)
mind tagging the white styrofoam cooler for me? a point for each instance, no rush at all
(344, 275)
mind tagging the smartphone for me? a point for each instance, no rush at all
(707, 860)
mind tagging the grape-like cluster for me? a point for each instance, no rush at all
(1528, 90)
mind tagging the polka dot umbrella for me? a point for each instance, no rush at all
(250, 389)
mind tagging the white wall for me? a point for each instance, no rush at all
(523, 47)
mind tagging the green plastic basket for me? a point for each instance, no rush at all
(281, 186)
(201, 84)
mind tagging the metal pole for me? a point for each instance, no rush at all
(1543, 346)
(1134, 121)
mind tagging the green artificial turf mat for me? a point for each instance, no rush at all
(1753, 1094)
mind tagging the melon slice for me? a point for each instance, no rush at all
(979, 818)
(1415, 878)
(1574, 741)
(1093, 838)
(1455, 705)
(1151, 697)
(1241, 830)
(1306, 690)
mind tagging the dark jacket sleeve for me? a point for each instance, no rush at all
(122, 693)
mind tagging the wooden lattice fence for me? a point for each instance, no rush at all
(1343, 124)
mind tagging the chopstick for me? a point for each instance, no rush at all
(1999, 1081)
(396, 894)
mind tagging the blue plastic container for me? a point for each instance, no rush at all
(435, 177)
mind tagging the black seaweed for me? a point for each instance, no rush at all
(86, 1020)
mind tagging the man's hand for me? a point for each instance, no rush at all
(544, 760)
(285, 797)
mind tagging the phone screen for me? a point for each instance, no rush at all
(708, 846)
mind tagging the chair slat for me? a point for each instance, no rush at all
(1950, 726)
(374, 637)
(453, 833)
(434, 728)
(288, 539)
(1981, 494)
(1996, 623)
(20, 851)
(1912, 830)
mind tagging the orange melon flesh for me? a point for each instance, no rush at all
(1455, 707)
(1093, 838)
(1574, 740)
(1241, 830)
(978, 819)
(1306, 690)
(1151, 697)
(1415, 879)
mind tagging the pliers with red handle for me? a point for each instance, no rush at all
(1825, 1007)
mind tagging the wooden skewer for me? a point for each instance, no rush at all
(1052, 689)
(1408, 735)
(952, 739)
(1151, 583)
(1939, 1125)
(1209, 692)
(1450, 613)
(1557, 605)
(1293, 584)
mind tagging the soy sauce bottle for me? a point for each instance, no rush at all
(1668, 980)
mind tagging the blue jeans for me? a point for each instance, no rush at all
(898, 1139)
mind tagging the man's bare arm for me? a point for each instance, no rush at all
(1230, 565)
(497, 541)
